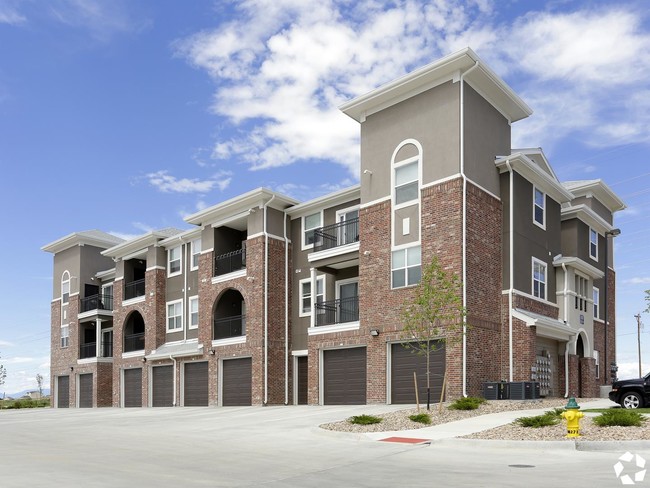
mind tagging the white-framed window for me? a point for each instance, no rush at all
(597, 358)
(174, 261)
(348, 221)
(593, 244)
(539, 279)
(406, 267)
(309, 224)
(65, 287)
(174, 316)
(195, 246)
(305, 294)
(581, 292)
(407, 182)
(194, 312)
(596, 294)
(65, 336)
(539, 207)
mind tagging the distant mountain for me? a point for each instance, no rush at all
(46, 392)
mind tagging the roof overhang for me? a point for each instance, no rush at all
(527, 168)
(330, 200)
(79, 239)
(176, 350)
(580, 265)
(135, 247)
(252, 199)
(588, 216)
(187, 236)
(546, 326)
(451, 67)
(599, 190)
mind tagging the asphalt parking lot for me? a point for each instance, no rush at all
(266, 446)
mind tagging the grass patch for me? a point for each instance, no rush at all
(24, 403)
(547, 419)
(422, 418)
(620, 417)
(364, 420)
(467, 403)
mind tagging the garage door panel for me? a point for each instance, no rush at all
(236, 379)
(405, 361)
(86, 390)
(195, 384)
(303, 372)
(344, 376)
(162, 386)
(63, 392)
(133, 387)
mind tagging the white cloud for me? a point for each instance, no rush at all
(638, 280)
(17, 360)
(167, 183)
(6, 344)
(9, 13)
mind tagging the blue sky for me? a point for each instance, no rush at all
(127, 115)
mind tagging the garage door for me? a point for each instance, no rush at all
(404, 362)
(236, 377)
(302, 380)
(195, 385)
(63, 392)
(86, 390)
(162, 386)
(133, 387)
(344, 376)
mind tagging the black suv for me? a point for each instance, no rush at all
(631, 393)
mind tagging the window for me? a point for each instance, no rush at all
(539, 208)
(596, 294)
(196, 252)
(174, 316)
(174, 263)
(406, 267)
(65, 287)
(65, 336)
(406, 183)
(593, 244)
(305, 294)
(597, 358)
(194, 312)
(309, 224)
(539, 279)
(581, 293)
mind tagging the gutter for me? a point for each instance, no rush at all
(462, 172)
(566, 318)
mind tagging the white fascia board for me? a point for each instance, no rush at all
(580, 265)
(602, 193)
(588, 216)
(186, 236)
(537, 151)
(75, 239)
(325, 201)
(546, 326)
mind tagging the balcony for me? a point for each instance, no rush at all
(340, 311)
(97, 302)
(134, 289)
(229, 262)
(134, 342)
(88, 350)
(228, 327)
(336, 235)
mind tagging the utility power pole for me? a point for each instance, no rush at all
(639, 326)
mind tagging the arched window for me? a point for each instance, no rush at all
(65, 287)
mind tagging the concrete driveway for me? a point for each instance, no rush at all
(265, 446)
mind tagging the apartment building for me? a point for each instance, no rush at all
(267, 300)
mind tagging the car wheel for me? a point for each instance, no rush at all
(631, 400)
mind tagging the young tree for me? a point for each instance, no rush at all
(435, 316)
(39, 382)
(3, 374)
(647, 299)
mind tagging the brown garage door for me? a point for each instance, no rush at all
(133, 387)
(63, 392)
(302, 380)
(344, 375)
(162, 386)
(236, 377)
(195, 385)
(86, 390)
(403, 363)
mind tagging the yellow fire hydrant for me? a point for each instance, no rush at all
(572, 416)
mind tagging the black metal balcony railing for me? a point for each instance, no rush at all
(134, 289)
(229, 262)
(336, 235)
(88, 350)
(337, 311)
(107, 349)
(134, 342)
(97, 302)
(227, 327)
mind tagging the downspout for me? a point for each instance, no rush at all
(511, 264)
(174, 389)
(286, 312)
(185, 307)
(566, 319)
(462, 173)
(266, 302)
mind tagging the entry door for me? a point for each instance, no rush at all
(349, 229)
(162, 386)
(348, 302)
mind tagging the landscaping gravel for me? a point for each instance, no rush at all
(399, 420)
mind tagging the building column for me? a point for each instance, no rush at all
(313, 297)
(98, 337)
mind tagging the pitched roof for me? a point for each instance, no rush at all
(93, 237)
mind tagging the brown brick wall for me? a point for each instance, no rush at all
(64, 358)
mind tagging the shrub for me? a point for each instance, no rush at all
(364, 419)
(422, 418)
(545, 420)
(620, 417)
(467, 403)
